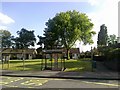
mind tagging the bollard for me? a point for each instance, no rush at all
(93, 65)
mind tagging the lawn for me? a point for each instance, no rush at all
(35, 64)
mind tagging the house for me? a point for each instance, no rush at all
(9, 53)
(74, 53)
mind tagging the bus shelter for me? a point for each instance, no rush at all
(53, 60)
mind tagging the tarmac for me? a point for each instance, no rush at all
(100, 72)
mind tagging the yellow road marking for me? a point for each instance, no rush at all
(10, 86)
(9, 80)
(34, 82)
(107, 84)
(30, 87)
(6, 77)
(1, 83)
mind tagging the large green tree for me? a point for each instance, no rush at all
(102, 36)
(68, 27)
(5, 39)
(112, 39)
(26, 38)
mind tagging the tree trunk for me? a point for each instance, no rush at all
(68, 56)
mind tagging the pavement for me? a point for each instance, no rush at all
(100, 72)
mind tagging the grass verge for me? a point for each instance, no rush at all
(35, 64)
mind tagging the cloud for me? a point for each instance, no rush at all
(93, 2)
(4, 19)
(106, 13)
(3, 27)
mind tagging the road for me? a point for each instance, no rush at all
(26, 82)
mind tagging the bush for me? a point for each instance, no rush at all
(112, 61)
(114, 54)
(111, 56)
(99, 58)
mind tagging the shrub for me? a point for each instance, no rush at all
(114, 53)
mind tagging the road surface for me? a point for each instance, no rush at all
(28, 82)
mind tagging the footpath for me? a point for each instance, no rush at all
(101, 73)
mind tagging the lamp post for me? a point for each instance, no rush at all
(93, 62)
(80, 49)
(1, 51)
(1, 56)
(92, 58)
(1, 47)
(42, 56)
(23, 60)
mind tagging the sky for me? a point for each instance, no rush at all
(32, 15)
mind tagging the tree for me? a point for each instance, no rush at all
(41, 42)
(68, 27)
(102, 36)
(112, 39)
(25, 39)
(5, 39)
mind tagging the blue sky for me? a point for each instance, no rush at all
(33, 15)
